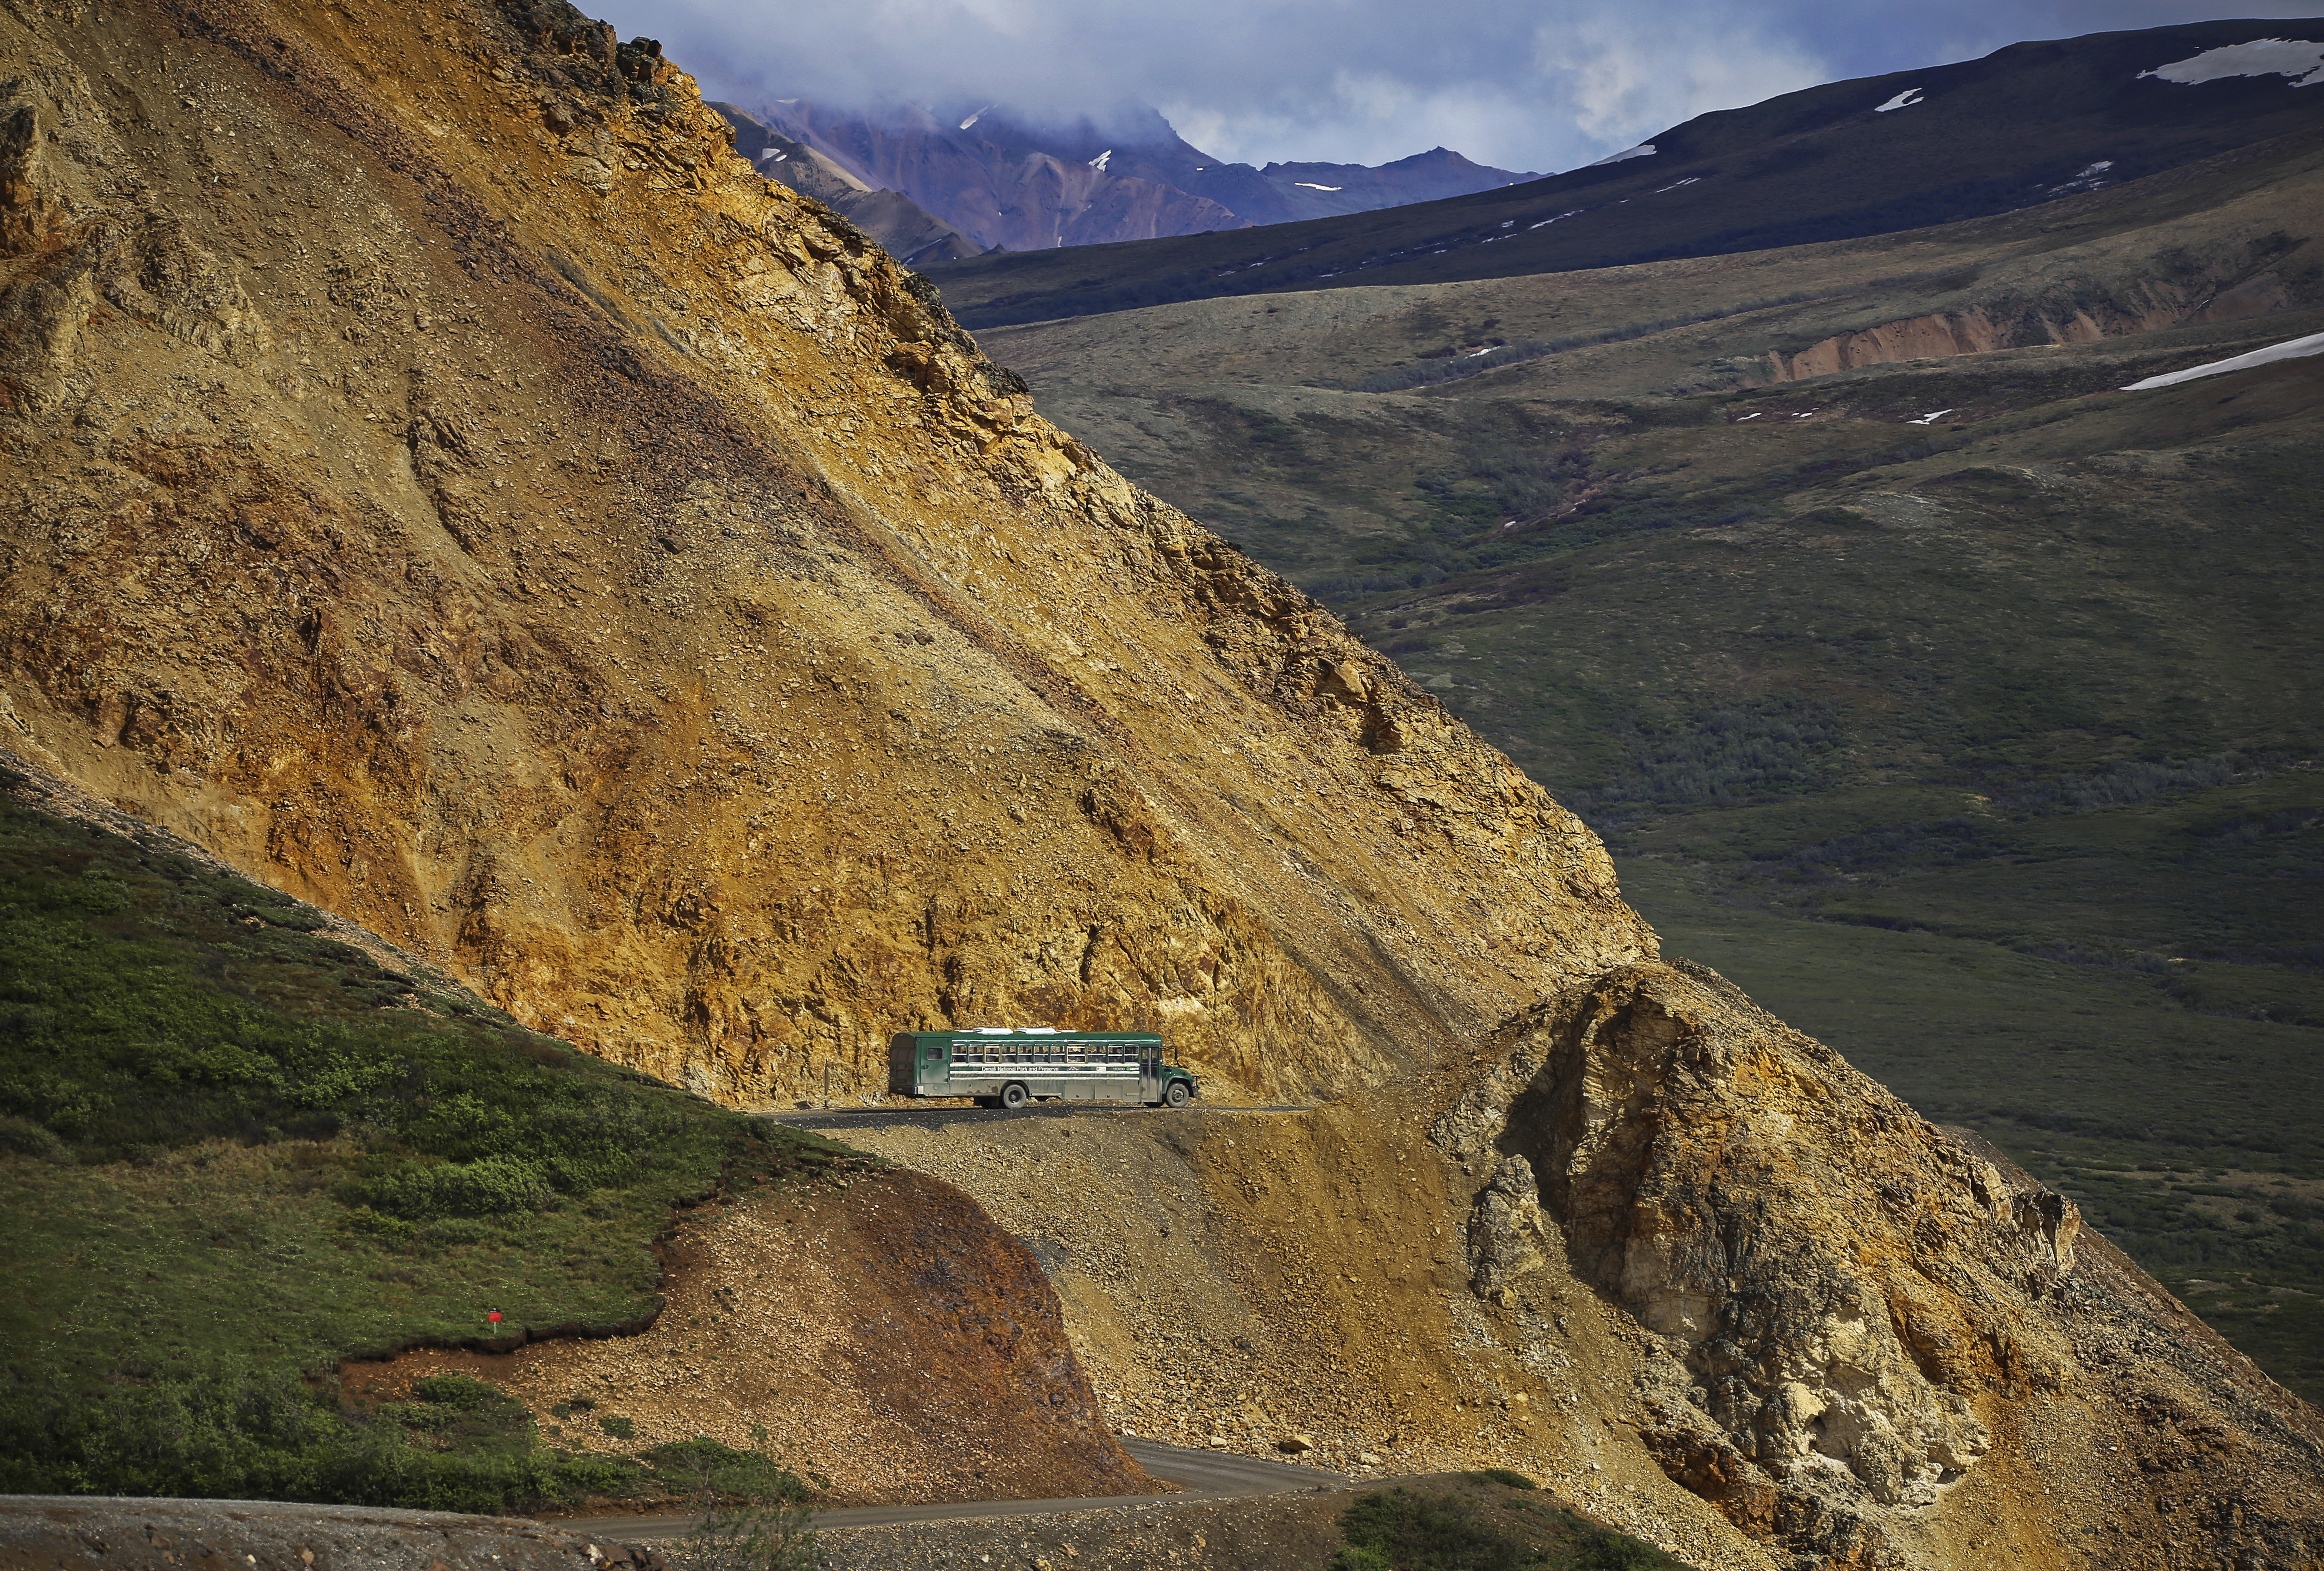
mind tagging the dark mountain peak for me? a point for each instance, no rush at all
(2034, 121)
(1017, 180)
(1322, 189)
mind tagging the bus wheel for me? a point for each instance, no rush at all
(1013, 1095)
(1175, 1097)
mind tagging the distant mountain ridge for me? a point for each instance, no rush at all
(911, 234)
(1003, 184)
(2026, 124)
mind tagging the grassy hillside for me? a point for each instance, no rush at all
(2026, 125)
(1963, 709)
(234, 1150)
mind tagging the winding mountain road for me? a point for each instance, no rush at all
(1201, 1476)
(918, 1115)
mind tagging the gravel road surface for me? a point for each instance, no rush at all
(836, 1119)
(1201, 1476)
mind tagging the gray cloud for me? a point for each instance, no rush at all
(1542, 87)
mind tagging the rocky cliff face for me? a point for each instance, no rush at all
(2246, 286)
(448, 483)
(1851, 1314)
(1687, 1266)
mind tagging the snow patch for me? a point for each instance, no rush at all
(2089, 179)
(1099, 163)
(971, 120)
(1925, 419)
(2291, 349)
(1546, 223)
(1312, 186)
(1644, 150)
(1904, 100)
(2262, 57)
(1689, 180)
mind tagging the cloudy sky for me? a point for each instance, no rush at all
(1541, 86)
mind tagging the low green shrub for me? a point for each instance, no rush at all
(1402, 1530)
(703, 1468)
(755, 1514)
(1397, 1529)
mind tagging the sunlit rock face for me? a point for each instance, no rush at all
(451, 484)
(1852, 1309)
(448, 484)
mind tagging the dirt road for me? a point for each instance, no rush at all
(919, 1115)
(1201, 1476)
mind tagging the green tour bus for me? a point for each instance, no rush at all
(1008, 1065)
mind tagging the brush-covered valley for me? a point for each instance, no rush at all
(1729, 839)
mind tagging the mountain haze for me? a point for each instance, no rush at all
(905, 230)
(1012, 186)
(2027, 125)
(448, 484)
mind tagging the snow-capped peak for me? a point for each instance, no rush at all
(2302, 58)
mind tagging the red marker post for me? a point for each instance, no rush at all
(492, 1319)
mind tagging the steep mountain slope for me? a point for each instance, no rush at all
(1019, 187)
(1960, 647)
(447, 481)
(580, 585)
(2027, 125)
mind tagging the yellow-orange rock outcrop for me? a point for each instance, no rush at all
(448, 483)
(444, 481)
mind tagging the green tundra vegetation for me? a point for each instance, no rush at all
(235, 1151)
(1963, 708)
(1492, 1521)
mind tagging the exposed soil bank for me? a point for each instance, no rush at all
(892, 1341)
